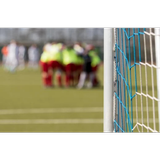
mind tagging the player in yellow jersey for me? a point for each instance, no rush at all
(95, 63)
(79, 60)
(55, 62)
(44, 60)
(69, 61)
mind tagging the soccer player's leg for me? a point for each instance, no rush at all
(13, 65)
(44, 70)
(73, 74)
(95, 79)
(76, 74)
(50, 77)
(79, 70)
(52, 67)
(59, 73)
(68, 75)
(82, 79)
(91, 79)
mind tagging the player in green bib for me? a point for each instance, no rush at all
(79, 60)
(55, 62)
(95, 63)
(44, 60)
(69, 61)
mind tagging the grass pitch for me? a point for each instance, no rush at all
(26, 106)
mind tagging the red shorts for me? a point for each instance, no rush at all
(55, 65)
(70, 67)
(94, 69)
(44, 66)
(79, 67)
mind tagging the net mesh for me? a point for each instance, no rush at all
(135, 96)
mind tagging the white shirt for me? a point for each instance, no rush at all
(33, 53)
(12, 51)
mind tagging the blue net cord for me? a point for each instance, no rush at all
(126, 62)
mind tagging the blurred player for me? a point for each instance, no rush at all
(44, 60)
(12, 56)
(21, 54)
(79, 60)
(5, 53)
(33, 56)
(95, 63)
(69, 60)
(55, 63)
(86, 72)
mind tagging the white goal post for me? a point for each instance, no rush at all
(108, 79)
(157, 47)
(131, 80)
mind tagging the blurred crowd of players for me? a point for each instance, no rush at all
(73, 65)
(14, 56)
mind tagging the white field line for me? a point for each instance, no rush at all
(59, 121)
(51, 121)
(50, 110)
(61, 110)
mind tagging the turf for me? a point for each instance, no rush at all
(23, 90)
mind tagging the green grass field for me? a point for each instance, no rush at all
(25, 106)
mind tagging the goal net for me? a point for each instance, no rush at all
(132, 103)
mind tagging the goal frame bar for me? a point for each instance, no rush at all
(108, 77)
(157, 50)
